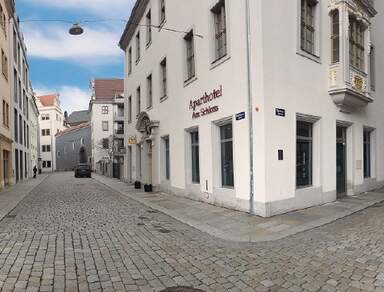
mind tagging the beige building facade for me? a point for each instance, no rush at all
(6, 177)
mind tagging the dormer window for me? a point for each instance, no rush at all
(356, 43)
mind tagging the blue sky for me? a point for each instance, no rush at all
(63, 63)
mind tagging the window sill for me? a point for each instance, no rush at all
(149, 108)
(137, 61)
(148, 45)
(220, 61)
(189, 81)
(309, 56)
(164, 98)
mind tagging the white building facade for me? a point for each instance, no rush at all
(34, 137)
(226, 106)
(20, 93)
(51, 122)
(107, 126)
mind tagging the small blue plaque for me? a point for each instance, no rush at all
(280, 112)
(240, 116)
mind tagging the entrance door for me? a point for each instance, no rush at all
(341, 163)
(6, 167)
(149, 149)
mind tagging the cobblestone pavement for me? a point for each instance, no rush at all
(77, 235)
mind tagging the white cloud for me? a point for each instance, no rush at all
(95, 46)
(72, 98)
(107, 8)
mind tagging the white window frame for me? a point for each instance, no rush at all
(149, 91)
(316, 56)
(163, 79)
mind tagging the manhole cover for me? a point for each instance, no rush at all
(181, 289)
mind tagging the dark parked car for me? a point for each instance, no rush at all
(83, 170)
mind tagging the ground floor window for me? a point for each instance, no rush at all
(367, 153)
(167, 158)
(304, 153)
(226, 143)
(195, 163)
(47, 164)
(138, 161)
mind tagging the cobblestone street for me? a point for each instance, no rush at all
(78, 235)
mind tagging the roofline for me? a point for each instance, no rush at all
(74, 129)
(136, 15)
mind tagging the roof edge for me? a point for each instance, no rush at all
(136, 15)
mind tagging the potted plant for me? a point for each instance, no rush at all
(137, 185)
(148, 188)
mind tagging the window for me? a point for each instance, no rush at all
(47, 164)
(45, 117)
(58, 153)
(130, 109)
(149, 91)
(195, 157)
(81, 141)
(167, 158)
(5, 114)
(162, 11)
(220, 29)
(3, 20)
(163, 78)
(138, 101)
(105, 143)
(46, 148)
(304, 145)
(129, 61)
(4, 64)
(137, 47)
(226, 145)
(190, 55)
(308, 25)
(335, 37)
(15, 125)
(367, 153)
(149, 27)
(356, 43)
(105, 126)
(45, 132)
(104, 109)
(372, 68)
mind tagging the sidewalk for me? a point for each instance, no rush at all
(10, 197)
(242, 227)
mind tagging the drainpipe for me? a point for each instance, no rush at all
(250, 107)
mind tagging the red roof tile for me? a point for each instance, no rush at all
(47, 100)
(108, 88)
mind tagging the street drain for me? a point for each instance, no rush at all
(152, 211)
(143, 218)
(140, 224)
(181, 289)
(163, 230)
(10, 216)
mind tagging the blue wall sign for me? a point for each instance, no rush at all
(280, 112)
(240, 116)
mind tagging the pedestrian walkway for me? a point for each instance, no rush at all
(239, 226)
(10, 197)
